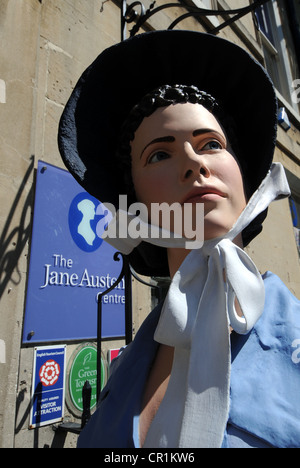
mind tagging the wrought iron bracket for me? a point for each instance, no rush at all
(129, 14)
(125, 273)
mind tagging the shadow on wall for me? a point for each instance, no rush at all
(13, 239)
(59, 437)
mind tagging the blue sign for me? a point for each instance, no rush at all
(69, 265)
(48, 385)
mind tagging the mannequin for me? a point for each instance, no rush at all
(201, 350)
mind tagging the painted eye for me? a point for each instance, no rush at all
(212, 145)
(158, 156)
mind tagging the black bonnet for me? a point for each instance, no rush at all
(123, 74)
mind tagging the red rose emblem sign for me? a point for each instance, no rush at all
(49, 373)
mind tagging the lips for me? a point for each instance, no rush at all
(201, 194)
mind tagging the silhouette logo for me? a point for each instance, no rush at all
(84, 214)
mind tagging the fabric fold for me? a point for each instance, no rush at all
(216, 286)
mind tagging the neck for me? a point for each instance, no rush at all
(177, 255)
(175, 259)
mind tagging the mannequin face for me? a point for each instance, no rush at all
(180, 154)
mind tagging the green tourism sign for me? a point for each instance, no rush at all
(84, 367)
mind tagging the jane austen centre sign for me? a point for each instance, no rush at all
(69, 265)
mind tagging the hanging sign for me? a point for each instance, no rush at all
(48, 386)
(69, 265)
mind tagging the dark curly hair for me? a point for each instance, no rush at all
(164, 96)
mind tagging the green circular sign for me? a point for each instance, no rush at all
(84, 368)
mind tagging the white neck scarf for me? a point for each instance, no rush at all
(195, 320)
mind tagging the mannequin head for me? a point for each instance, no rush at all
(180, 153)
(93, 120)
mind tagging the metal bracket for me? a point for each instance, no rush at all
(129, 14)
(125, 273)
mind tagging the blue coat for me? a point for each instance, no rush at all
(265, 381)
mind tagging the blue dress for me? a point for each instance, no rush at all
(264, 389)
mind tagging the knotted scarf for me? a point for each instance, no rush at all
(196, 317)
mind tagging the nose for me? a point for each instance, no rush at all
(193, 164)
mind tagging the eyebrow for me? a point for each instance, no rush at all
(201, 131)
(168, 139)
(171, 139)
